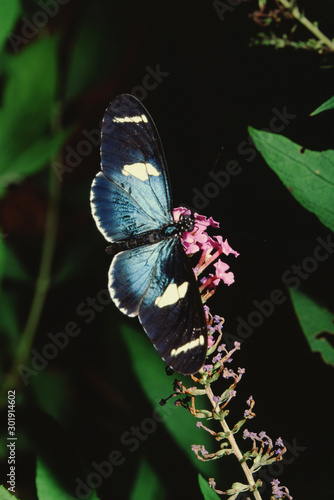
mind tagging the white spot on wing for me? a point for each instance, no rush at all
(129, 119)
(141, 171)
(172, 294)
(94, 208)
(189, 345)
(113, 290)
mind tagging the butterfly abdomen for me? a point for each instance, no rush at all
(169, 231)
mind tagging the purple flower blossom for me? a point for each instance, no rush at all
(250, 400)
(217, 358)
(265, 439)
(211, 329)
(207, 368)
(221, 268)
(280, 491)
(197, 239)
(279, 442)
(228, 373)
(211, 248)
(248, 434)
(248, 414)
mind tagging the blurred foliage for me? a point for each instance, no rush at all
(208, 493)
(9, 13)
(146, 484)
(154, 382)
(28, 149)
(48, 487)
(286, 17)
(326, 106)
(316, 322)
(309, 177)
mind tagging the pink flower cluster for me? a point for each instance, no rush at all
(198, 240)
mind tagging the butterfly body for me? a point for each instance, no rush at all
(172, 230)
(150, 275)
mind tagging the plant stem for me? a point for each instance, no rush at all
(235, 447)
(44, 274)
(42, 285)
(308, 24)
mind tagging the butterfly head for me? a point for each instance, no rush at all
(185, 223)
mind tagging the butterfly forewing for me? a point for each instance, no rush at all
(132, 159)
(117, 213)
(153, 279)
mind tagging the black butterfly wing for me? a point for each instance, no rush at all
(157, 283)
(131, 195)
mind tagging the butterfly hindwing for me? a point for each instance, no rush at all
(177, 308)
(131, 195)
(130, 275)
(157, 283)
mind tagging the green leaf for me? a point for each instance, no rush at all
(3, 257)
(30, 90)
(49, 488)
(9, 320)
(208, 493)
(5, 495)
(47, 485)
(9, 12)
(326, 106)
(147, 484)
(151, 374)
(28, 109)
(309, 175)
(32, 159)
(12, 266)
(314, 319)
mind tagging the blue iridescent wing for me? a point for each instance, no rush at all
(131, 195)
(156, 282)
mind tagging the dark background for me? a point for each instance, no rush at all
(217, 85)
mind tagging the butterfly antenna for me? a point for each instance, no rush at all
(218, 158)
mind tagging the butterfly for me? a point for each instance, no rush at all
(150, 275)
